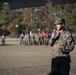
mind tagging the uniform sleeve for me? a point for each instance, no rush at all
(52, 41)
(68, 40)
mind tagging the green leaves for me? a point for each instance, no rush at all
(68, 11)
(2, 17)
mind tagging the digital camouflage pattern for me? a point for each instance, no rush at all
(66, 42)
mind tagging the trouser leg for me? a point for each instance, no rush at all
(65, 67)
(54, 65)
(64, 64)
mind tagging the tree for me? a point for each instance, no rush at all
(68, 11)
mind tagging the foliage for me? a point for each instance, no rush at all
(2, 17)
(37, 17)
(68, 11)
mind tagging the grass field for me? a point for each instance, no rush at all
(18, 59)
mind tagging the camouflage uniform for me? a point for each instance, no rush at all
(61, 58)
(64, 39)
(26, 39)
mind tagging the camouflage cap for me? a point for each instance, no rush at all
(60, 21)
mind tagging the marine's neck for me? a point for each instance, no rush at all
(62, 30)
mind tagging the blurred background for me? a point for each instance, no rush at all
(35, 18)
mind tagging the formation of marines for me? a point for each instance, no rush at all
(36, 38)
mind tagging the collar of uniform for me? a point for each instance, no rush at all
(64, 31)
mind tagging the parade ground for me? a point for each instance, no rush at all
(16, 59)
